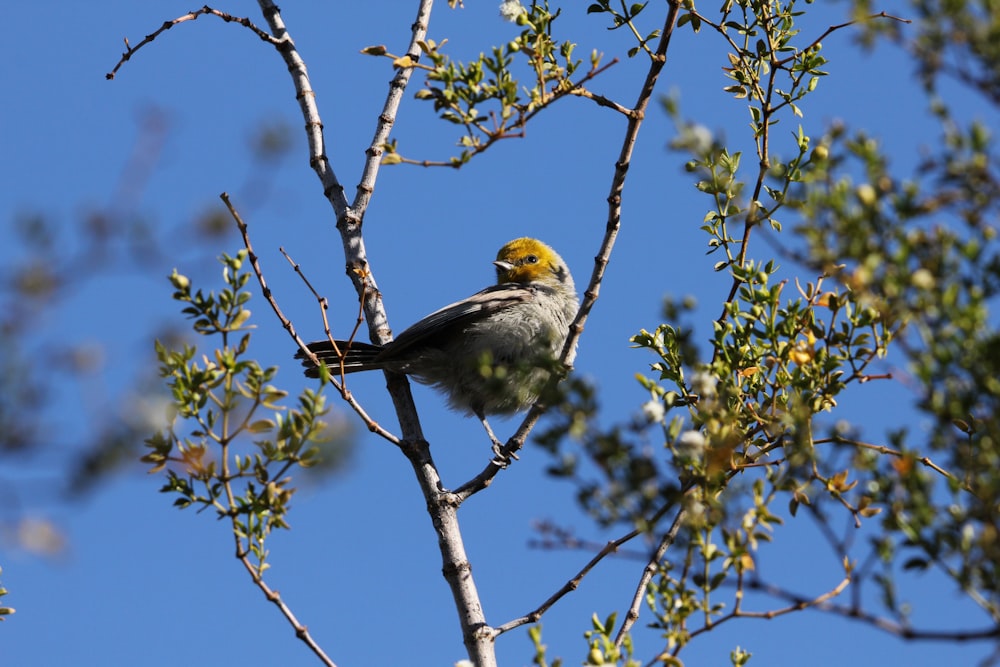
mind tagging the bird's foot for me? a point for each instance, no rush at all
(500, 458)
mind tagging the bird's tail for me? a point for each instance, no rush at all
(355, 356)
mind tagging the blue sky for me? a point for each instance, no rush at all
(143, 584)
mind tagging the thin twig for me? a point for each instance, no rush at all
(516, 130)
(324, 304)
(555, 537)
(372, 425)
(892, 627)
(301, 631)
(652, 565)
(239, 535)
(798, 605)
(840, 26)
(882, 449)
(602, 101)
(190, 16)
(255, 265)
(570, 586)
(324, 308)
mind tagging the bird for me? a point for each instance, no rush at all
(491, 353)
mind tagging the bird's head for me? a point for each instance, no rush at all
(528, 260)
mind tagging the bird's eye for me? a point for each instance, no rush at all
(531, 259)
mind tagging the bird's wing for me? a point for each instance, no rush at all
(491, 300)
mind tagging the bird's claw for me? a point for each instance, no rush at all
(500, 458)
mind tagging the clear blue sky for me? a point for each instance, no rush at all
(144, 584)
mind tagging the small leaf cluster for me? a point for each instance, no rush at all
(219, 450)
(777, 363)
(687, 599)
(924, 252)
(766, 68)
(485, 95)
(741, 202)
(720, 177)
(602, 647)
(773, 73)
(541, 650)
(624, 15)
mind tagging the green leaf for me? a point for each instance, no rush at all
(261, 426)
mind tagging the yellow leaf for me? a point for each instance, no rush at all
(839, 482)
(804, 350)
(824, 299)
(801, 355)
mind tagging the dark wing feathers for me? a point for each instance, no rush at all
(360, 356)
(357, 356)
(490, 300)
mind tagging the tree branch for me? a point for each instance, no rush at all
(652, 565)
(301, 631)
(892, 627)
(340, 386)
(570, 586)
(476, 634)
(190, 16)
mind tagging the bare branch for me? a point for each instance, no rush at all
(570, 586)
(301, 631)
(840, 26)
(372, 425)
(455, 564)
(882, 449)
(306, 97)
(798, 604)
(190, 16)
(647, 575)
(892, 627)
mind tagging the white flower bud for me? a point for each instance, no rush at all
(510, 10)
(704, 384)
(654, 411)
(690, 444)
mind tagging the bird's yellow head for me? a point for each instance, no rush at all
(529, 260)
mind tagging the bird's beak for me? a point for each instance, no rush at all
(503, 266)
